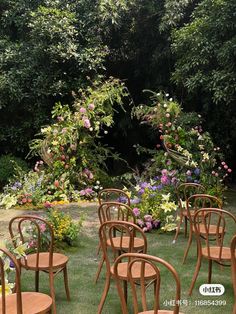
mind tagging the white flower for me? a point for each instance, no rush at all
(165, 197)
(170, 99)
(91, 129)
(98, 182)
(158, 94)
(105, 132)
(165, 105)
(167, 95)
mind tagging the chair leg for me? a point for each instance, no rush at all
(185, 226)
(99, 269)
(125, 291)
(104, 294)
(198, 266)
(190, 238)
(209, 270)
(52, 291)
(66, 283)
(98, 249)
(37, 280)
(178, 228)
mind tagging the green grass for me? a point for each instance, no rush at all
(83, 264)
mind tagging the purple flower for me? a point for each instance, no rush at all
(136, 211)
(154, 188)
(135, 201)
(156, 178)
(197, 172)
(156, 224)
(12, 265)
(122, 199)
(141, 191)
(160, 186)
(144, 185)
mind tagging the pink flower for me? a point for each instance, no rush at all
(164, 172)
(91, 106)
(149, 225)
(148, 218)
(188, 173)
(223, 163)
(145, 229)
(87, 124)
(24, 200)
(226, 167)
(60, 118)
(42, 227)
(82, 110)
(136, 211)
(229, 170)
(47, 204)
(164, 180)
(140, 222)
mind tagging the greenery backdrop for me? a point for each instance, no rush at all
(50, 49)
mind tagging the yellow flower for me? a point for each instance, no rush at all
(8, 287)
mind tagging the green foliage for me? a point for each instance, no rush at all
(65, 229)
(204, 50)
(8, 167)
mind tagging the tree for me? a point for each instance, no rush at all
(205, 65)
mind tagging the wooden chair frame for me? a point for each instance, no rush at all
(217, 253)
(123, 213)
(194, 203)
(50, 256)
(145, 261)
(106, 232)
(105, 196)
(43, 307)
(183, 192)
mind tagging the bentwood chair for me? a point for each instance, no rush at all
(19, 302)
(233, 268)
(113, 195)
(183, 192)
(112, 247)
(216, 250)
(115, 211)
(194, 203)
(139, 266)
(44, 259)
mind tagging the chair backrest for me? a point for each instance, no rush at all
(185, 190)
(35, 231)
(139, 282)
(113, 195)
(7, 257)
(198, 201)
(115, 211)
(233, 267)
(206, 217)
(127, 232)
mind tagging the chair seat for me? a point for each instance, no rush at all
(159, 312)
(214, 253)
(32, 303)
(59, 260)
(123, 243)
(122, 270)
(212, 229)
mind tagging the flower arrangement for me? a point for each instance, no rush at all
(188, 148)
(154, 204)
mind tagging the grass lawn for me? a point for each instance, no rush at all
(83, 265)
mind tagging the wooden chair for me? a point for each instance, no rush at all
(195, 202)
(46, 261)
(183, 192)
(233, 268)
(113, 195)
(20, 302)
(138, 266)
(125, 243)
(114, 211)
(212, 251)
